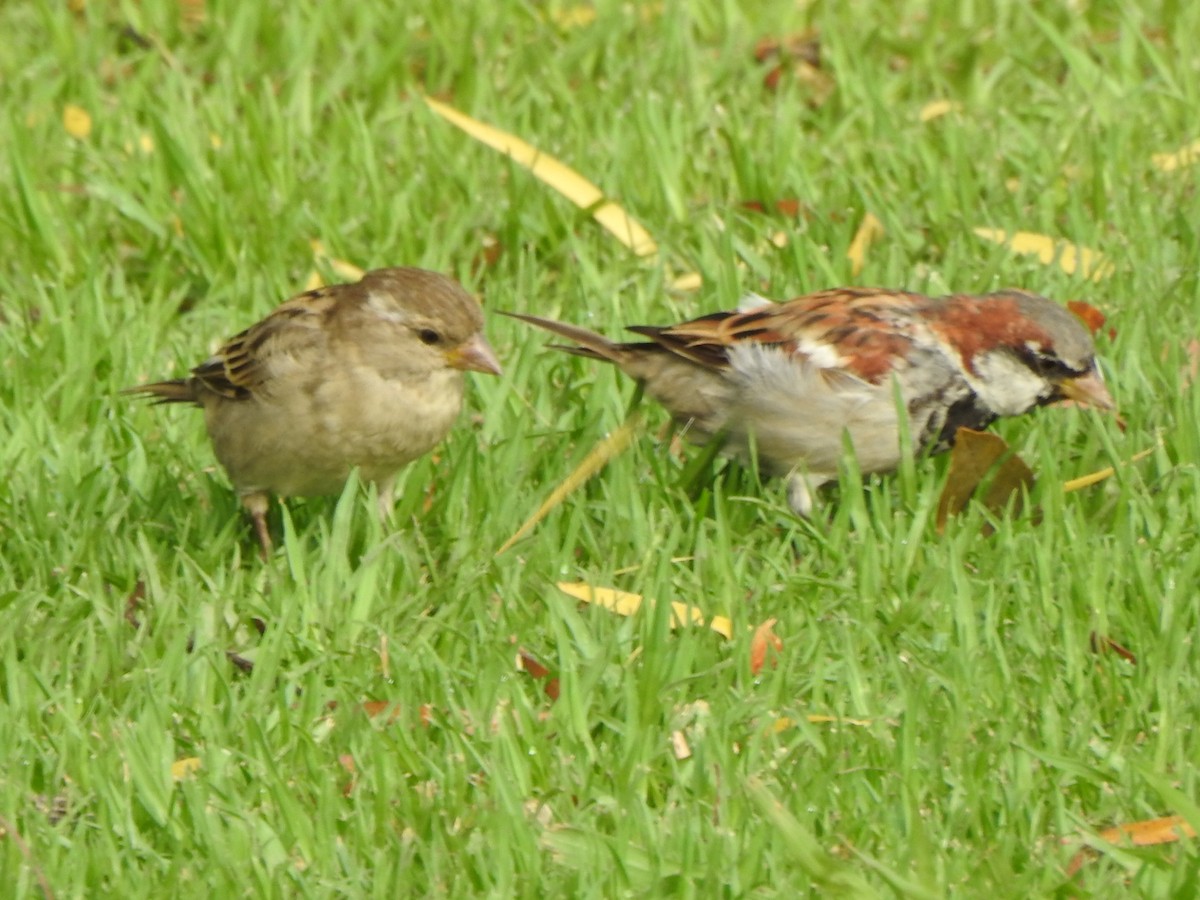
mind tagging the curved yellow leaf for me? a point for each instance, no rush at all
(1069, 257)
(557, 175)
(624, 603)
(596, 460)
(869, 229)
(1180, 159)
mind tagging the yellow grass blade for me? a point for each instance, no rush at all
(557, 175)
(1084, 481)
(1069, 257)
(1180, 159)
(596, 460)
(624, 603)
(870, 229)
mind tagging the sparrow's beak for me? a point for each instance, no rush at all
(1088, 390)
(476, 355)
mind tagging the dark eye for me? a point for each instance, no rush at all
(428, 336)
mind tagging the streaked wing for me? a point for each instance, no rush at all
(246, 361)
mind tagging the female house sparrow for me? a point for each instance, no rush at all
(791, 378)
(365, 375)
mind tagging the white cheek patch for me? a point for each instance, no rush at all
(1006, 385)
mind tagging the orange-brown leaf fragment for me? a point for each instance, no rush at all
(527, 662)
(975, 455)
(1088, 315)
(765, 641)
(1147, 833)
(1102, 644)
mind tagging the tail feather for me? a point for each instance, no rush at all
(590, 344)
(180, 390)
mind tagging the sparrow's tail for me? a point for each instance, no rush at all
(590, 344)
(181, 390)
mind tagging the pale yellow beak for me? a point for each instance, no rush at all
(475, 355)
(1088, 390)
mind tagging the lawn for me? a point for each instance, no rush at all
(948, 713)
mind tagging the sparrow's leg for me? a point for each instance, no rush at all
(800, 490)
(257, 505)
(385, 496)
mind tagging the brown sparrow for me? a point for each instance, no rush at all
(791, 380)
(365, 375)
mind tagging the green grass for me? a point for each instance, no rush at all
(993, 729)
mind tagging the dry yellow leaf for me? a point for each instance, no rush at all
(624, 603)
(1071, 258)
(1083, 481)
(596, 460)
(935, 109)
(77, 121)
(557, 175)
(145, 143)
(686, 283)
(1180, 159)
(573, 17)
(182, 768)
(680, 746)
(783, 723)
(868, 230)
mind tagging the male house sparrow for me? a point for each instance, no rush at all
(791, 378)
(365, 375)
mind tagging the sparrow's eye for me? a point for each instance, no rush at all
(429, 336)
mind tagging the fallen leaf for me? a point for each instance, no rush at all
(182, 768)
(1071, 258)
(868, 230)
(973, 457)
(1147, 833)
(526, 662)
(783, 723)
(557, 175)
(346, 761)
(596, 460)
(1102, 644)
(1088, 315)
(1188, 373)
(76, 121)
(1185, 156)
(687, 282)
(1084, 481)
(376, 708)
(680, 746)
(765, 640)
(624, 603)
(935, 109)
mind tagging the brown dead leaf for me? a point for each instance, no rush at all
(1089, 316)
(1147, 833)
(765, 641)
(527, 662)
(974, 457)
(376, 708)
(1102, 644)
(346, 761)
(1188, 373)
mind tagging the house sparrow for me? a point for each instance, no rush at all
(365, 375)
(790, 379)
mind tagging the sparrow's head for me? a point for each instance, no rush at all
(1020, 350)
(430, 317)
